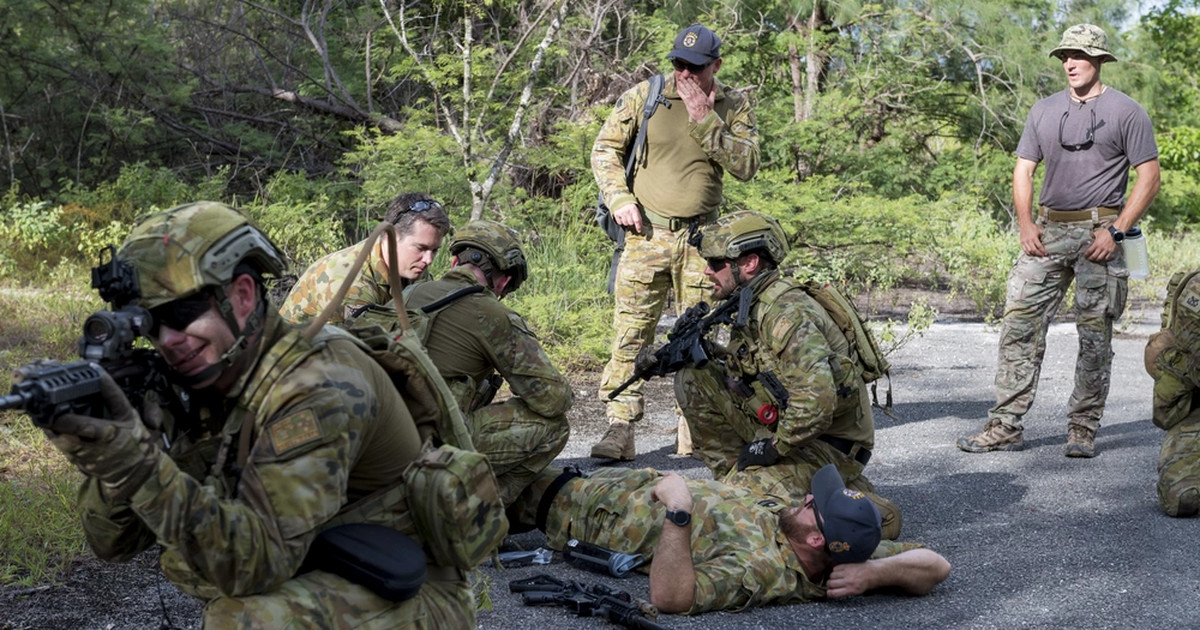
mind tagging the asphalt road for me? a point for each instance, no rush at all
(1036, 540)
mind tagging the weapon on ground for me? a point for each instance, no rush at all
(686, 345)
(587, 600)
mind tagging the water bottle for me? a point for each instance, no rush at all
(1137, 259)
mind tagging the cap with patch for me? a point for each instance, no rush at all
(847, 518)
(697, 45)
(1086, 38)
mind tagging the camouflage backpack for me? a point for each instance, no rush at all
(870, 358)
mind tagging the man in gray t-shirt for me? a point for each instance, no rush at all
(1089, 136)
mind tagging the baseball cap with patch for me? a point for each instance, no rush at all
(847, 518)
(1086, 38)
(697, 45)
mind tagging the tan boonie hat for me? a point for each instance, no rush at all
(1086, 38)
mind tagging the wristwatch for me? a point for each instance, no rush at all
(1117, 235)
(679, 517)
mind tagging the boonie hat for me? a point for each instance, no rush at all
(697, 45)
(1086, 38)
(847, 518)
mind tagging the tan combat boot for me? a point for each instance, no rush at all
(617, 443)
(996, 436)
(1081, 442)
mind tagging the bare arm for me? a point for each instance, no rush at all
(672, 575)
(1022, 187)
(916, 571)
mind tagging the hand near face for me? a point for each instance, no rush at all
(698, 102)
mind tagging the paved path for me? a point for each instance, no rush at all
(1036, 540)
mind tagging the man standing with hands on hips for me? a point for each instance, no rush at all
(702, 130)
(1089, 136)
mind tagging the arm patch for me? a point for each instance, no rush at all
(294, 431)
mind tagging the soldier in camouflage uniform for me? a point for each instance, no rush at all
(282, 435)
(708, 130)
(476, 336)
(1089, 135)
(420, 222)
(711, 546)
(786, 396)
(1173, 359)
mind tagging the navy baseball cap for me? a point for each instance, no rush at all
(697, 45)
(847, 518)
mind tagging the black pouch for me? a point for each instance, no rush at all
(380, 558)
(615, 231)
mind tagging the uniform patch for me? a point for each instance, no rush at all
(298, 429)
(1190, 300)
(853, 494)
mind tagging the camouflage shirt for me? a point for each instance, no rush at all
(321, 281)
(329, 428)
(791, 336)
(680, 171)
(740, 556)
(478, 336)
(1177, 385)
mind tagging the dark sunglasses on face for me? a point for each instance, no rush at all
(179, 314)
(681, 65)
(1087, 142)
(717, 264)
(424, 206)
(816, 515)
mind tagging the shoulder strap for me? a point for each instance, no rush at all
(451, 298)
(652, 101)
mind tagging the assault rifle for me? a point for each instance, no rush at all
(587, 600)
(686, 345)
(47, 389)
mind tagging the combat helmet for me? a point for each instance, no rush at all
(178, 252)
(741, 233)
(492, 246)
(1089, 39)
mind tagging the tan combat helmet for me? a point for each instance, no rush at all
(180, 251)
(740, 233)
(1086, 38)
(492, 246)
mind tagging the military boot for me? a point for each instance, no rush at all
(1081, 442)
(996, 436)
(617, 442)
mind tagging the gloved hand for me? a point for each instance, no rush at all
(645, 362)
(758, 453)
(120, 452)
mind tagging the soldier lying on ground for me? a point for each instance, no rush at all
(712, 546)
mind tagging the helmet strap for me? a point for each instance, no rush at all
(254, 323)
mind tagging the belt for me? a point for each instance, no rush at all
(1088, 214)
(543, 509)
(676, 224)
(444, 574)
(847, 446)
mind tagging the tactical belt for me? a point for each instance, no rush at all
(543, 509)
(862, 456)
(1088, 214)
(676, 224)
(444, 574)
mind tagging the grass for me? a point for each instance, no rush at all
(40, 532)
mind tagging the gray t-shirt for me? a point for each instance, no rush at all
(1087, 174)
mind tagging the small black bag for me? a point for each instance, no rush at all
(380, 558)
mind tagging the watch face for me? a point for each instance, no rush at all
(1117, 235)
(679, 517)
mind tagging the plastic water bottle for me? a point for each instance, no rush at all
(1137, 259)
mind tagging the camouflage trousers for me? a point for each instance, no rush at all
(1179, 468)
(323, 600)
(650, 265)
(721, 425)
(1036, 288)
(518, 442)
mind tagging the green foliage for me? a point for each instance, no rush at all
(300, 216)
(1179, 150)
(564, 300)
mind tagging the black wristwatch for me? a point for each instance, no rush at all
(679, 517)
(1117, 235)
